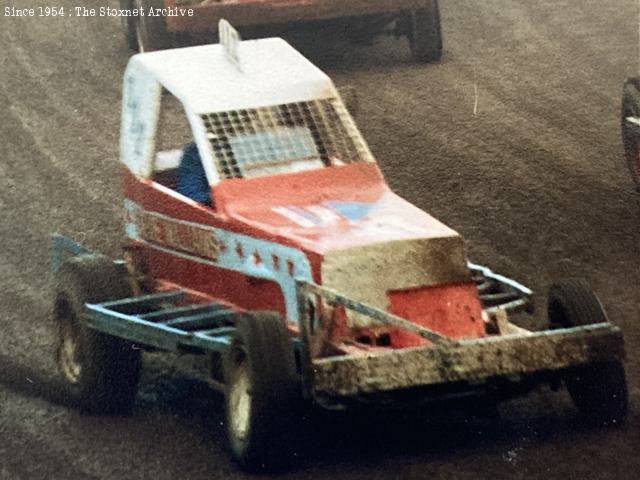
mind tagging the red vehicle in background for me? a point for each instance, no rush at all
(307, 279)
(361, 20)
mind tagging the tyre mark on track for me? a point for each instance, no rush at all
(62, 111)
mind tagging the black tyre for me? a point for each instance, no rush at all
(262, 393)
(599, 390)
(150, 30)
(128, 24)
(424, 33)
(100, 372)
(631, 132)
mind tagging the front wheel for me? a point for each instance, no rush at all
(598, 390)
(262, 393)
(630, 116)
(424, 33)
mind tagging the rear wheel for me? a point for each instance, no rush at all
(100, 372)
(599, 390)
(262, 393)
(424, 33)
(631, 131)
(128, 24)
(150, 31)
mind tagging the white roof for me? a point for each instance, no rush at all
(205, 79)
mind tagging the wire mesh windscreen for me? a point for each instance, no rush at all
(284, 138)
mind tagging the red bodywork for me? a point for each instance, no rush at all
(242, 13)
(254, 206)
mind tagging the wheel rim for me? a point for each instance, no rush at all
(240, 398)
(69, 355)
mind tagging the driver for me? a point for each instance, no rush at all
(192, 180)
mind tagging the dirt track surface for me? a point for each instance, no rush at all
(534, 180)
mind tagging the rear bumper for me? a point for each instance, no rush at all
(468, 360)
(241, 13)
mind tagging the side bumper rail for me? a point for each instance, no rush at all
(162, 320)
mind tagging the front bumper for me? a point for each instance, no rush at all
(467, 360)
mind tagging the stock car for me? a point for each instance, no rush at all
(306, 280)
(184, 21)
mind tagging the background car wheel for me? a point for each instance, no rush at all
(630, 132)
(262, 393)
(151, 31)
(424, 33)
(128, 24)
(100, 372)
(599, 390)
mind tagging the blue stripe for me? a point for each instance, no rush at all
(229, 259)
